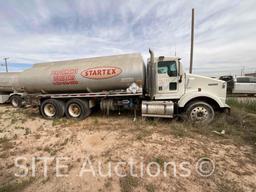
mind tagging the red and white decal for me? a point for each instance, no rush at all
(101, 72)
(65, 77)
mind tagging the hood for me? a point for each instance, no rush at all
(206, 84)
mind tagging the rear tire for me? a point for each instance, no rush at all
(17, 101)
(77, 109)
(200, 112)
(52, 109)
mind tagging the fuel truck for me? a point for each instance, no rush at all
(72, 88)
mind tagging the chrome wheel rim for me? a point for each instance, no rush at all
(200, 113)
(74, 110)
(49, 110)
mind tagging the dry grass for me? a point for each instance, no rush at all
(16, 186)
(128, 183)
(119, 138)
(5, 144)
(239, 127)
(226, 185)
(150, 188)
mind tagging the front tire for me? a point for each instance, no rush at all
(77, 109)
(52, 109)
(200, 112)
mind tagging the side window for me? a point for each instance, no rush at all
(172, 86)
(253, 80)
(162, 69)
(243, 80)
(167, 67)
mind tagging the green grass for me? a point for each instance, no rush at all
(246, 104)
(57, 122)
(64, 122)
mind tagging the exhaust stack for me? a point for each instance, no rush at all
(151, 56)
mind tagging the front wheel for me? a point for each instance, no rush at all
(200, 112)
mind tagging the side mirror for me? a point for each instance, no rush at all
(179, 72)
(180, 79)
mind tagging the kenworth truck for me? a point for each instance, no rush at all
(72, 88)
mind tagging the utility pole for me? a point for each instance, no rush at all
(175, 50)
(6, 65)
(192, 41)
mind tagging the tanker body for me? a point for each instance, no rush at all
(84, 75)
(72, 88)
(8, 81)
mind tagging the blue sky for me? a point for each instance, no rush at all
(46, 30)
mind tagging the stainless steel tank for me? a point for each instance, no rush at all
(8, 81)
(84, 75)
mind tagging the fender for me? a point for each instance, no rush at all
(16, 93)
(192, 95)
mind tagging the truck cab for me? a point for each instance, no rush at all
(166, 79)
(171, 91)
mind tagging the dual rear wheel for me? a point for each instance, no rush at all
(17, 101)
(78, 109)
(73, 108)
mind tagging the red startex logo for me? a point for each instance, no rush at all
(101, 72)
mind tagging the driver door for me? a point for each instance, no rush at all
(167, 77)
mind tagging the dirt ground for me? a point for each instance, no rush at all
(229, 142)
